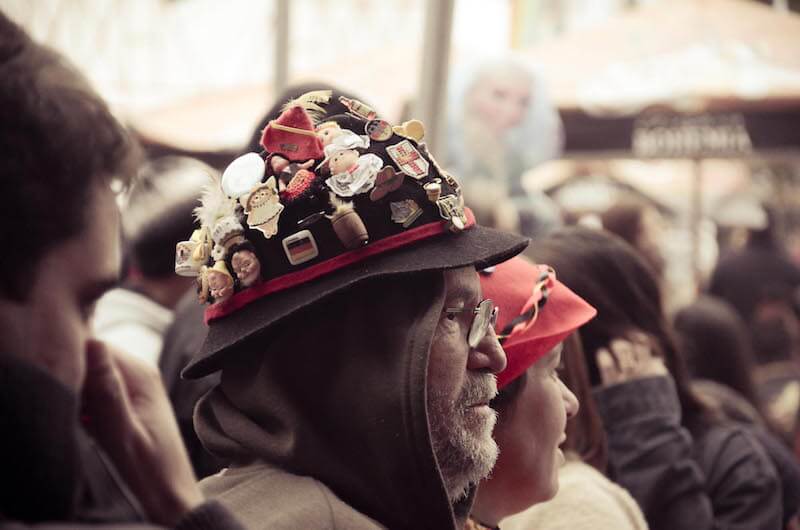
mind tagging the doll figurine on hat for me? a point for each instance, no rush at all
(220, 281)
(351, 173)
(328, 131)
(245, 265)
(293, 145)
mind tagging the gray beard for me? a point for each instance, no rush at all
(462, 442)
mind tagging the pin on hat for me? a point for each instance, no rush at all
(292, 136)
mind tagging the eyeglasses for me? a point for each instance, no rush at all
(484, 316)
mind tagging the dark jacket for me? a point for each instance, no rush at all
(734, 407)
(718, 479)
(324, 415)
(182, 340)
(54, 476)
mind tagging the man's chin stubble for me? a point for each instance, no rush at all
(468, 454)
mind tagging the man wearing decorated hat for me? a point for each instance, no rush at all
(357, 370)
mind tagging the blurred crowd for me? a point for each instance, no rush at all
(616, 406)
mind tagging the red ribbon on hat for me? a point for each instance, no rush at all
(243, 298)
(530, 311)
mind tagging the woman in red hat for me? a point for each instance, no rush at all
(537, 314)
(684, 464)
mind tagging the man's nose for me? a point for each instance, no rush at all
(488, 356)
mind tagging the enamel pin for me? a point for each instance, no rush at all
(408, 159)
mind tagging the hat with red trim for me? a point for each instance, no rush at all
(292, 231)
(536, 312)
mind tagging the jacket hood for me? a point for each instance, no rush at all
(338, 392)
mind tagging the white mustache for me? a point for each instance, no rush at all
(478, 389)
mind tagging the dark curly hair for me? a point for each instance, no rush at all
(59, 140)
(608, 273)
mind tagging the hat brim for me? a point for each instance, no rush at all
(477, 246)
(563, 313)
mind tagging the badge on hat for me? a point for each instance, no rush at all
(347, 224)
(242, 175)
(358, 108)
(413, 129)
(292, 136)
(433, 190)
(405, 212)
(378, 130)
(300, 247)
(451, 209)
(408, 159)
(387, 181)
(191, 255)
(263, 208)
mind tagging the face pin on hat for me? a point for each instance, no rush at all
(352, 174)
(263, 208)
(220, 282)
(327, 131)
(246, 266)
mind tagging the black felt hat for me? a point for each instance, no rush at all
(280, 233)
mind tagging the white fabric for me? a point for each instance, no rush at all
(359, 180)
(133, 323)
(346, 139)
(586, 500)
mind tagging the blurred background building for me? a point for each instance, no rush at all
(690, 106)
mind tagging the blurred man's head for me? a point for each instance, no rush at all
(61, 149)
(156, 216)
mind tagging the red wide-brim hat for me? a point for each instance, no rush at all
(518, 287)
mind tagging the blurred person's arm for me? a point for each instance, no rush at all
(656, 459)
(128, 412)
(650, 453)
